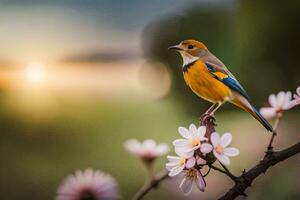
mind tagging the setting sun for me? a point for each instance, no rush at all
(35, 72)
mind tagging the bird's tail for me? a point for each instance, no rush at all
(245, 105)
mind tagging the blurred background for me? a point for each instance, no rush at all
(79, 77)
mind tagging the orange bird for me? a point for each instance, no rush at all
(209, 78)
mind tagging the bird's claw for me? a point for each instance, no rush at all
(208, 118)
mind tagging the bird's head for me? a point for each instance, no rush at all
(190, 49)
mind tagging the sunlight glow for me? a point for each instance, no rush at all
(35, 72)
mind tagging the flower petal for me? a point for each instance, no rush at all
(289, 105)
(297, 102)
(298, 90)
(149, 144)
(176, 170)
(186, 186)
(132, 145)
(287, 98)
(184, 132)
(201, 161)
(162, 149)
(193, 130)
(180, 142)
(225, 139)
(190, 162)
(222, 158)
(201, 132)
(268, 112)
(280, 99)
(215, 138)
(273, 100)
(231, 151)
(206, 148)
(171, 165)
(200, 182)
(173, 158)
(184, 152)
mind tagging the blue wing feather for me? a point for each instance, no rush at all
(233, 84)
(210, 67)
(229, 81)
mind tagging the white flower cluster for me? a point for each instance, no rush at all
(192, 151)
(281, 102)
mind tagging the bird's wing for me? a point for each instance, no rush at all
(221, 73)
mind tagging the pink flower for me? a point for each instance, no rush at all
(297, 96)
(200, 161)
(221, 151)
(192, 176)
(88, 184)
(193, 139)
(178, 163)
(147, 150)
(278, 103)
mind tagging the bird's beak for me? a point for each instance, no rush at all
(175, 47)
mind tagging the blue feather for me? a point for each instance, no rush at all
(234, 85)
(265, 122)
(229, 81)
(210, 67)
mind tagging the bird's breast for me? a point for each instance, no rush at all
(202, 83)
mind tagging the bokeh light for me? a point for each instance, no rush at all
(35, 72)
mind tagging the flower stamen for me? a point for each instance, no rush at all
(195, 142)
(219, 149)
(191, 174)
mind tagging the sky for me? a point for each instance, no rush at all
(41, 39)
(53, 29)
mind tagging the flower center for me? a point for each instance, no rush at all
(87, 195)
(219, 149)
(191, 174)
(182, 161)
(195, 142)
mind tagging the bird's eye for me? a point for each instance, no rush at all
(190, 46)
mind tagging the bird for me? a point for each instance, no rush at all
(210, 79)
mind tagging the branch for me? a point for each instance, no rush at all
(151, 185)
(245, 180)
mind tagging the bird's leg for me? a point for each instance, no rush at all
(208, 115)
(215, 108)
(211, 108)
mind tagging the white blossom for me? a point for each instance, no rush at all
(278, 103)
(192, 176)
(193, 139)
(178, 163)
(296, 96)
(221, 151)
(146, 150)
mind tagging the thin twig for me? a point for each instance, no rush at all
(151, 185)
(274, 133)
(218, 169)
(226, 172)
(233, 177)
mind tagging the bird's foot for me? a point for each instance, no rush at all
(207, 118)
